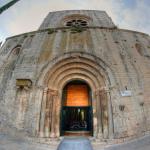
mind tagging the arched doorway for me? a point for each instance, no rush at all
(76, 110)
(57, 75)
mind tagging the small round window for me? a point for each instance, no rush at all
(76, 23)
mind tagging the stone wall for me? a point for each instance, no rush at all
(97, 18)
(123, 55)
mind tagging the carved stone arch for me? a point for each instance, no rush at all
(103, 67)
(7, 68)
(15, 50)
(69, 67)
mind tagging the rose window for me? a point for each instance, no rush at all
(77, 23)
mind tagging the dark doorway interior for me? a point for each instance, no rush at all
(76, 112)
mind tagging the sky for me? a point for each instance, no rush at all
(27, 15)
(2, 2)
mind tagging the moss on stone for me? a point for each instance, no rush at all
(77, 29)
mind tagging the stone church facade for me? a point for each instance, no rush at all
(77, 74)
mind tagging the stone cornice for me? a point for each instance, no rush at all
(62, 28)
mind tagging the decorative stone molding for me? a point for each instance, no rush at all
(48, 127)
(102, 90)
(53, 92)
(23, 83)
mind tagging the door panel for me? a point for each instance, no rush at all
(76, 119)
(76, 113)
(77, 95)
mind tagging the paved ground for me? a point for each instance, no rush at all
(139, 144)
(11, 143)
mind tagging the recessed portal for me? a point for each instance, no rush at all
(76, 112)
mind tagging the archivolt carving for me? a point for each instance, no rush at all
(84, 61)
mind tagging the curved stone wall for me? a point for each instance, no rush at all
(114, 62)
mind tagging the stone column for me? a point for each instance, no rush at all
(98, 128)
(58, 107)
(42, 116)
(110, 115)
(104, 115)
(49, 121)
(48, 113)
(38, 103)
(54, 114)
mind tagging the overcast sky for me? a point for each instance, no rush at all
(27, 15)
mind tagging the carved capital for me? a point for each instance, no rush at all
(24, 83)
(97, 92)
(45, 90)
(102, 90)
(40, 87)
(53, 92)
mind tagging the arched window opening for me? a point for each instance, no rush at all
(16, 50)
(76, 20)
(8, 67)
